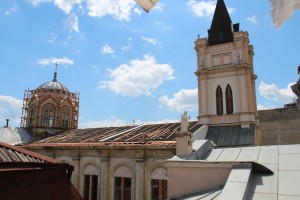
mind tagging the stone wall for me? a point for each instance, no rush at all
(140, 163)
(280, 126)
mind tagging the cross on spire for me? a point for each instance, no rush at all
(55, 73)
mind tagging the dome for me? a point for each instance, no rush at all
(53, 85)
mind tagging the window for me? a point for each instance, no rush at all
(48, 115)
(219, 101)
(90, 187)
(32, 115)
(229, 101)
(65, 117)
(122, 188)
(159, 189)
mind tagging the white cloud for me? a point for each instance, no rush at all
(38, 2)
(107, 50)
(184, 100)
(65, 5)
(55, 40)
(137, 11)
(252, 19)
(114, 121)
(72, 22)
(108, 122)
(14, 8)
(162, 25)
(204, 8)
(153, 41)
(61, 61)
(230, 10)
(128, 46)
(140, 77)
(118, 9)
(272, 93)
(159, 7)
(10, 108)
(164, 121)
(264, 107)
(96, 69)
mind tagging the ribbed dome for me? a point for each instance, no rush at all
(53, 85)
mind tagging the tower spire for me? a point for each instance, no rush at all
(55, 73)
(221, 30)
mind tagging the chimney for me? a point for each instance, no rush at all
(7, 120)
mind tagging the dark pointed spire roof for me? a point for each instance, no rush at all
(221, 30)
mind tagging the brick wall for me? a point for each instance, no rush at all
(280, 126)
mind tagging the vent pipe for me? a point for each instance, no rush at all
(7, 120)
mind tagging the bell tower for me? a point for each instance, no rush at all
(226, 79)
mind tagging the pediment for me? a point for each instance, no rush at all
(49, 99)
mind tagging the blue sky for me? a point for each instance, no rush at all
(128, 64)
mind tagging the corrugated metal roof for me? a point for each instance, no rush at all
(231, 135)
(138, 134)
(28, 175)
(14, 135)
(10, 153)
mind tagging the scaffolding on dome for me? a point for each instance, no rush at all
(29, 94)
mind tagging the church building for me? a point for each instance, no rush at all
(220, 155)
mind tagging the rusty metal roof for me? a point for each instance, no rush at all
(155, 134)
(14, 154)
(22, 170)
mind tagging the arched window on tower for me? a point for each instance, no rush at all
(48, 115)
(229, 101)
(32, 116)
(219, 101)
(65, 117)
